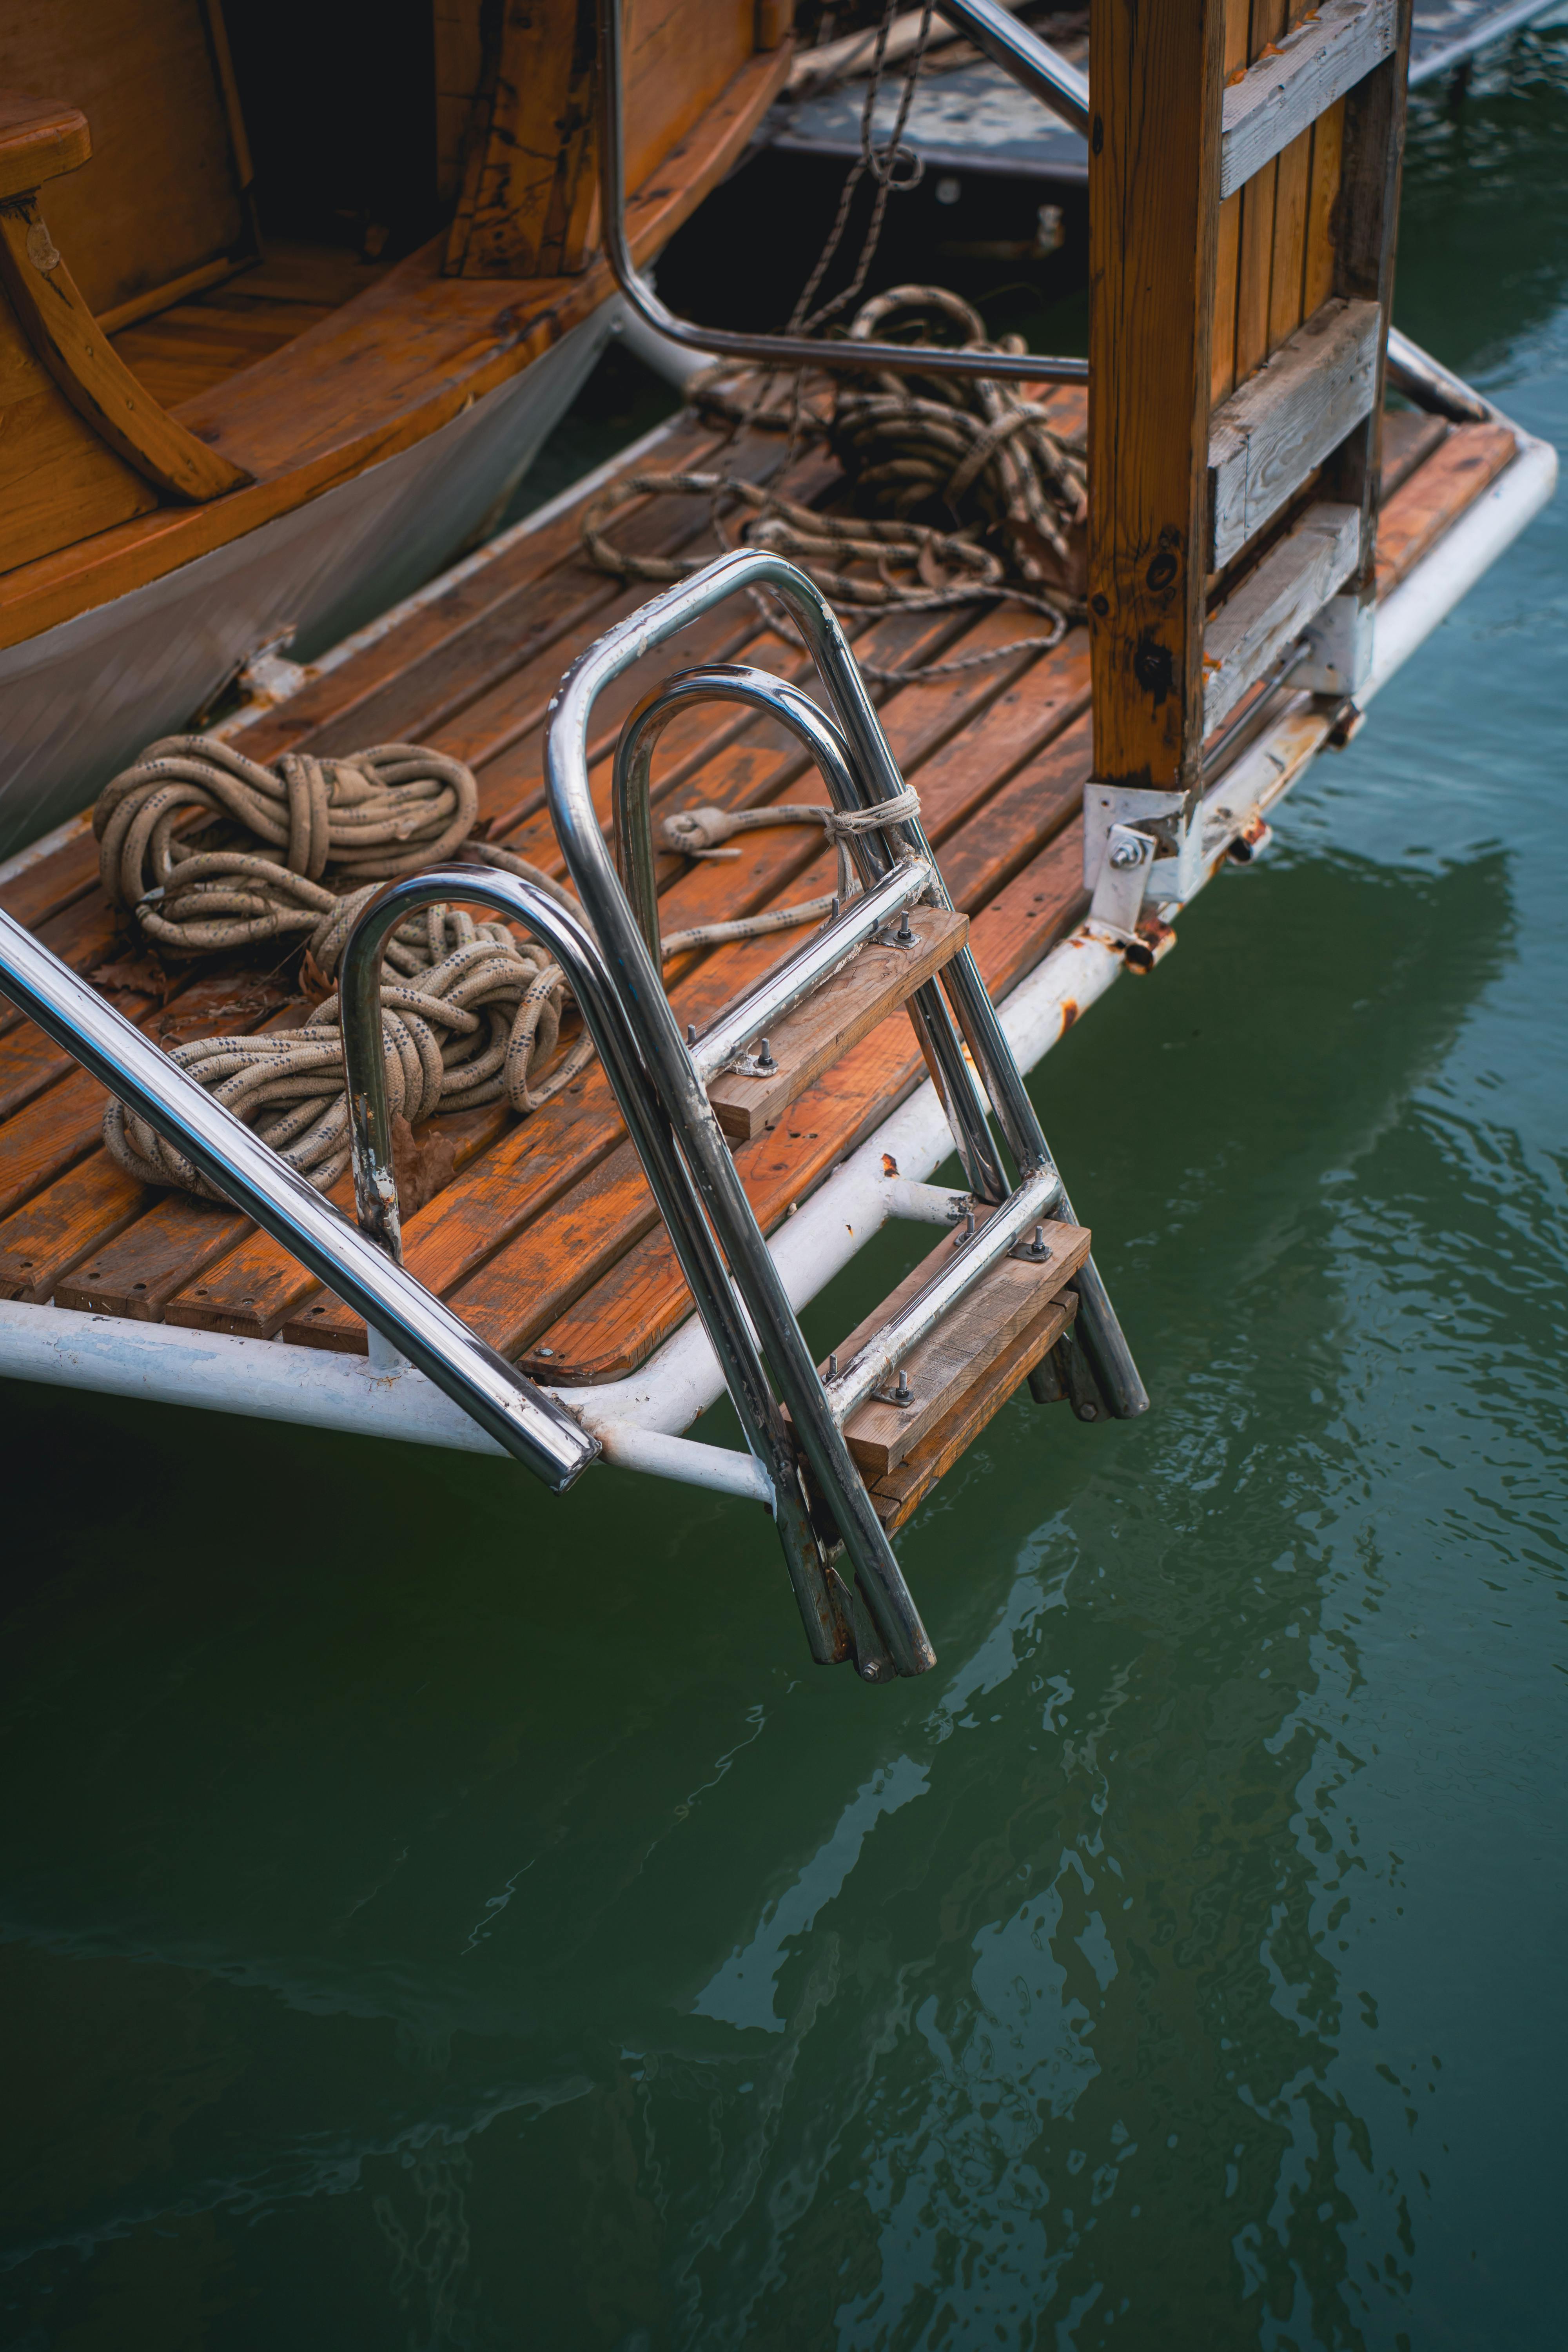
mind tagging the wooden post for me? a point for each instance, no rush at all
(1155, 98)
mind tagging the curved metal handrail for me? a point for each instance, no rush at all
(574, 949)
(632, 773)
(504, 1402)
(773, 351)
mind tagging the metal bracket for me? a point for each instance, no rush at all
(1125, 874)
(1165, 818)
(1339, 649)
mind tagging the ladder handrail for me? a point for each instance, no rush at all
(574, 949)
(504, 1402)
(631, 792)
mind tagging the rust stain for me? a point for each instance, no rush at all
(1070, 1013)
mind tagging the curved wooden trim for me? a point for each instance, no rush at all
(39, 139)
(487, 331)
(91, 373)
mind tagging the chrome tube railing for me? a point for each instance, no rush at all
(636, 981)
(829, 747)
(504, 1402)
(648, 1123)
(770, 350)
(1037, 1197)
(631, 782)
(812, 967)
(1021, 53)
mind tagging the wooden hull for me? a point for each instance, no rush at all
(80, 699)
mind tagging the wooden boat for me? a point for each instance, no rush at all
(219, 437)
(1265, 546)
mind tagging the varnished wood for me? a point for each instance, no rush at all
(528, 206)
(1256, 267)
(39, 139)
(1227, 256)
(161, 193)
(1155, 74)
(91, 373)
(803, 1043)
(1266, 440)
(1318, 260)
(378, 377)
(1296, 79)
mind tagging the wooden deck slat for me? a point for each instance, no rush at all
(508, 1301)
(643, 1299)
(453, 1236)
(547, 1238)
(264, 1286)
(1437, 494)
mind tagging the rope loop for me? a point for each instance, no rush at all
(961, 491)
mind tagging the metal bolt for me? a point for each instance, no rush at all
(691, 1032)
(833, 1367)
(545, 1351)
(764, 1055)
(1126, 853)
(1087, 1412)
(901, 1393)
(904, 936)
(1039, 1241)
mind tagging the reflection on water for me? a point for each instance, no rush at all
(436, 1918)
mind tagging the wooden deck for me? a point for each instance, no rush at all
(546, 1239)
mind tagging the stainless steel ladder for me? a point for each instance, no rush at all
(736, 1284)
(793, 1417)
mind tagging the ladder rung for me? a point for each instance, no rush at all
(899, 1494)
(807, 1041)
(1277, 99)
(1268, 610)
(1282, 422)
(949, 1360)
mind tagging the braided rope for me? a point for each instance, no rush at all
(912, 448)
(469, 1014)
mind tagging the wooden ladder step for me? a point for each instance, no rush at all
(956, 1356)
(809, 1041)
(899, 1494)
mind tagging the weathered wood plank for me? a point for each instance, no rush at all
(1286, 418)
(1273, 602)
(1286, 90)
(803, 1043)
(956, 1357)
(898, 1495)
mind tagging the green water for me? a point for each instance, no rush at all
(437, 1917)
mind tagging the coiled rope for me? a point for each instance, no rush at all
(1013, 493)
(470, 1016)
